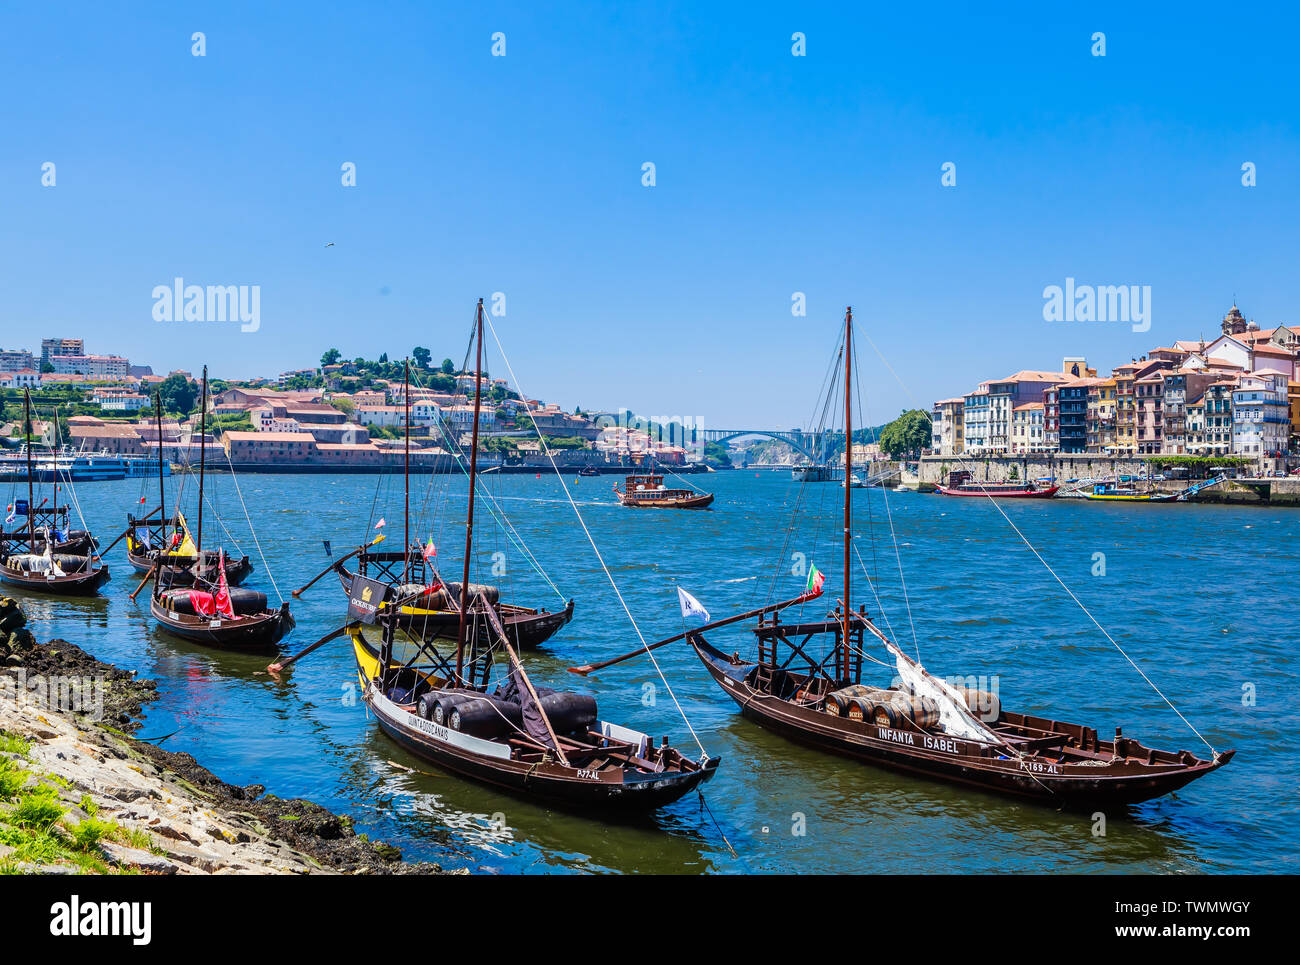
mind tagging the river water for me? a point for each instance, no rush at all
(1200, 597)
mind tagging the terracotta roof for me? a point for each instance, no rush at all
(1034, 375)
(241, 436)
(107, 430)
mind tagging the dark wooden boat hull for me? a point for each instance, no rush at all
(942, 758)
(236, 570)
(1003, 494)
(700, 501)
(256, 632)
(525, 628)
(547, 781)
(74, 584)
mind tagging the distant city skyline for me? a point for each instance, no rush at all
(131, 164)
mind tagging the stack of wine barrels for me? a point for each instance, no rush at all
(885, 708)
(487, 716)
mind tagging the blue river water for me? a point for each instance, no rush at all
(1200, 597)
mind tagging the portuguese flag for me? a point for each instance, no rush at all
(815, 581)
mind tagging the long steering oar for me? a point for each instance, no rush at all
(277, 667)
(336, 564)
(593, 667)
(142, 583)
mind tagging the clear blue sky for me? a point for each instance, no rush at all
(522, 174)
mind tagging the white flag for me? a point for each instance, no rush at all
(691, 607)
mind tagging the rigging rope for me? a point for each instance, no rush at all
(1053, 572)
(583, 523)
(256, 541)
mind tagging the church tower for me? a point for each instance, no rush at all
(1233, 322)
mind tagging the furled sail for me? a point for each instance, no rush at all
(954, 716)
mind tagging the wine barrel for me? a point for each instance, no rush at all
(839, 702)
(884, 715)
(570, 712)
(485, 717)
(425, 707)
(915, 711)
(447, 597)
(242, 601)
(983, 704)
(444, 703)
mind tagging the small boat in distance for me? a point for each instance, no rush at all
(649, 491)
(1114, 492)
(855, 482)
(810, 474)
(960, 484)
(588, 470)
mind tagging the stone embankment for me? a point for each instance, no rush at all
(78, 794)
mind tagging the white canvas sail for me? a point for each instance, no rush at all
(954, 716)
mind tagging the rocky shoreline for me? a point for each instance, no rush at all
(79, 794)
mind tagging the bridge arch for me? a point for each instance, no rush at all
(809, 444)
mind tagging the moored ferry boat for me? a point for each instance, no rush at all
(960, 484)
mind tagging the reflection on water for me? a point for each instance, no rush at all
(1174, 596)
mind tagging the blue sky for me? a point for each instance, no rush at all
(522, 174)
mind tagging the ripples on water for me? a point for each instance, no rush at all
(1199, 596)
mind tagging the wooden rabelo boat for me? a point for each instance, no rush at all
(432, 610)
(806, 684)
(206, 609)
(647, 491)
(433, 605)
(34, 558)
(438, 703)
(960, 484)
(157, 541)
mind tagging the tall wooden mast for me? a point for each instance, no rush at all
(162, 493)
(203, 448)
(31, 506)
(848, 476)
(473, 473)
(406, 474)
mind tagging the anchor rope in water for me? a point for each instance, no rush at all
(1047, 566)
(595, 549)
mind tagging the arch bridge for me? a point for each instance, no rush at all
(812, 445)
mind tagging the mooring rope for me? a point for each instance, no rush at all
(1049, 569)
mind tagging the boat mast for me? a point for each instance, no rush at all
(31, 508)
(473, 473)
(54, 464)
(406, 474)
(848, 475)
(203, 432)
(162, 493)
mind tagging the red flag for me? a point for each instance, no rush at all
(222, 597)
(141, 500)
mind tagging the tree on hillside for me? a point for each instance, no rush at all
(421, 356)
(448, 367)
(331, 357)
(907, 435)
(178, 394)
(383, 358)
